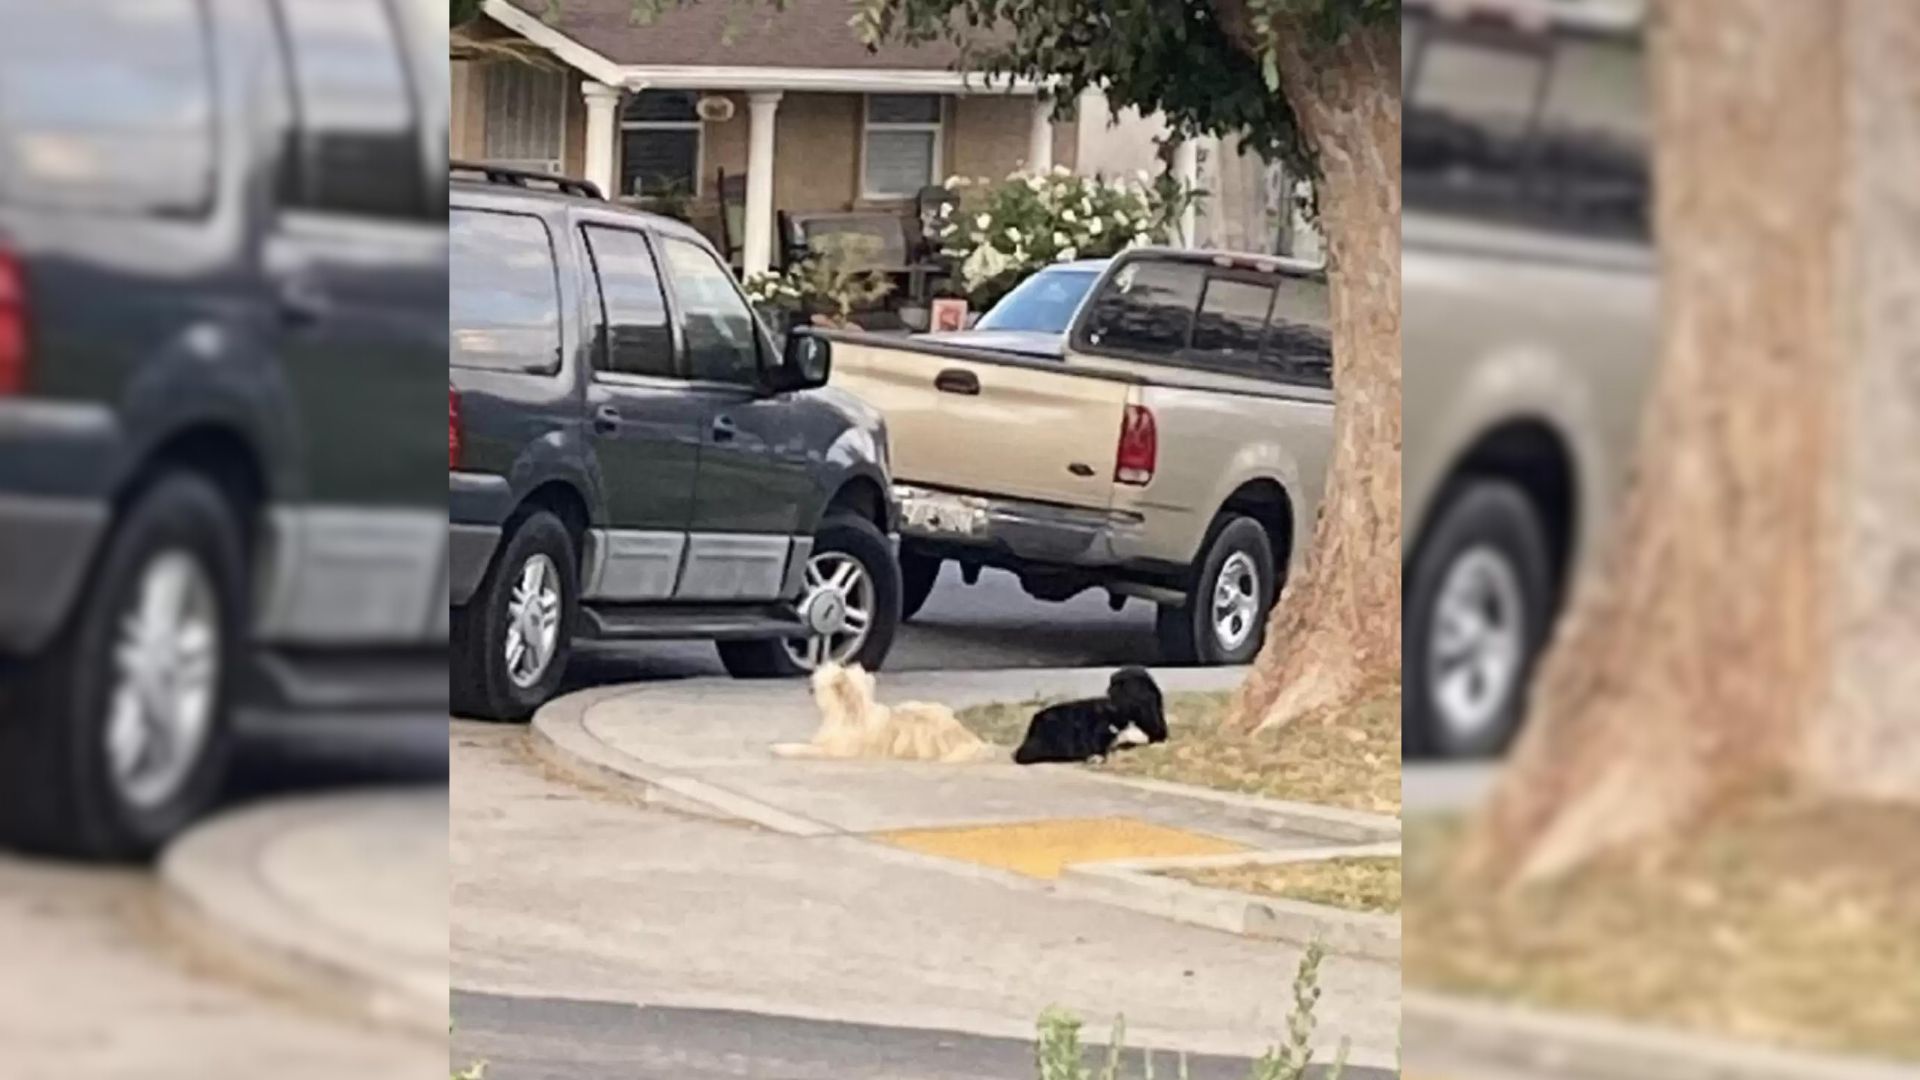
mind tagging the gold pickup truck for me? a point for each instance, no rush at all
(1174, 451)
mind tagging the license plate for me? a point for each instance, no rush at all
(943, 515)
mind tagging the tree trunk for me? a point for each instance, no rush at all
(1745, 591)
(1334, 637)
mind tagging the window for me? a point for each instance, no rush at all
(503, 300)
(660, 135)
(631, 336)
(526, 116)
(1546, 131)
(1299, 345)
(1233, 316)
(108, 105)
(357, 150)
(722, 343)
(902, 150)
(1146, 307)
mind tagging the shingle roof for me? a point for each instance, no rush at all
(808, 34)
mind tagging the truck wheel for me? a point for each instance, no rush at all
(852, 589)
(118, 736)
(511, 643)
(918, 575)
(1225, 617)
(1479, 595)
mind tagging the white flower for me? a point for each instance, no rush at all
(1095, 227)
(1067, 216)
(982, 221)
(1061, 240)
(954, 181)
(949, 229)
(1120, 218)
(1013, 234)
(1062, 170)
(1142, 176)
(1067, 254)
(985, 264)
(1034, 183)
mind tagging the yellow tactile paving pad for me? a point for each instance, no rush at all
(1042, 849)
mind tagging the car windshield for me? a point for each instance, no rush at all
(1045, 302)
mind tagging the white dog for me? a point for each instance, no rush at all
(854, 725)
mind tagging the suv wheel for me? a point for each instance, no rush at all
(918, 575)
(1224, 619)
(852, 599)
(118, 738)
(1478, 601)
(512, 642)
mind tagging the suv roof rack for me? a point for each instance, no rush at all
(526, 178)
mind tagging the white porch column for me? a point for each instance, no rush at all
(1186, 167)
(603, 134)
(1040, 137)
(757, 251)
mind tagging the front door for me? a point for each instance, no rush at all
(754, 467)
(645, 423)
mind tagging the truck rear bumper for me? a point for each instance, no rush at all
(1025, 531)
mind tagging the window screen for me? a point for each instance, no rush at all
(660, 143)
(902, 143)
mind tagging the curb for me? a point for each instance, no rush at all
(1138, 884)
(558, 735)
(1324, 822)
(1461, 1035)
(214, 901)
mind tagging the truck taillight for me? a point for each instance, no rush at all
(1139, 447)
(13, 325)
(453, 428)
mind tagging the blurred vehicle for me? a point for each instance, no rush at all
(1529, 304)
(1175, 453)
(222, 274)
(631, 458)
(1033, 319)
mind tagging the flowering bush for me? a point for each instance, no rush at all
(1000, 232)
(830, 283)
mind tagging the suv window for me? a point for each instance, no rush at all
(503, 299)
(357, 150)
(1548, 131)
(722, 345)
(1146, 307)
(107, 105)
(632, 336)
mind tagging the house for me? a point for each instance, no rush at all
(787, 105)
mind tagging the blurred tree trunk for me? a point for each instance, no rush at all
(1334, 638)
(1764, 574)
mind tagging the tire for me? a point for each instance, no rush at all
(1237, 546)
(841, 537)
(918, 575)
(1487, 550)
(481, 681)
(172, 573)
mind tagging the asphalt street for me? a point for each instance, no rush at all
(523, 1038)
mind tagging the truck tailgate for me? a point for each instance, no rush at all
(1023, 429)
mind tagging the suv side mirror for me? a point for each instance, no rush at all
(806, 363)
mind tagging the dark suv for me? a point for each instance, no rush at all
(222, 256)
(632, 458)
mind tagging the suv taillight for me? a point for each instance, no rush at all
(453, 428)
(1139, 447)
(13, 325)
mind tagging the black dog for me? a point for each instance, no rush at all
(1130, 715)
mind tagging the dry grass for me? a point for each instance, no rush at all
(1350, 760)
(1356, 884)
(1793, 923)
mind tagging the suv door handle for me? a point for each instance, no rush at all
(606, 419)
(724, 429)
(957, 381)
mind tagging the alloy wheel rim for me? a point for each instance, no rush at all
(1478, 641)
(1236, 601)
(166, 660)
(533, 621)
(834, 577)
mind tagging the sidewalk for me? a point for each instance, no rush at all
(339, 900)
